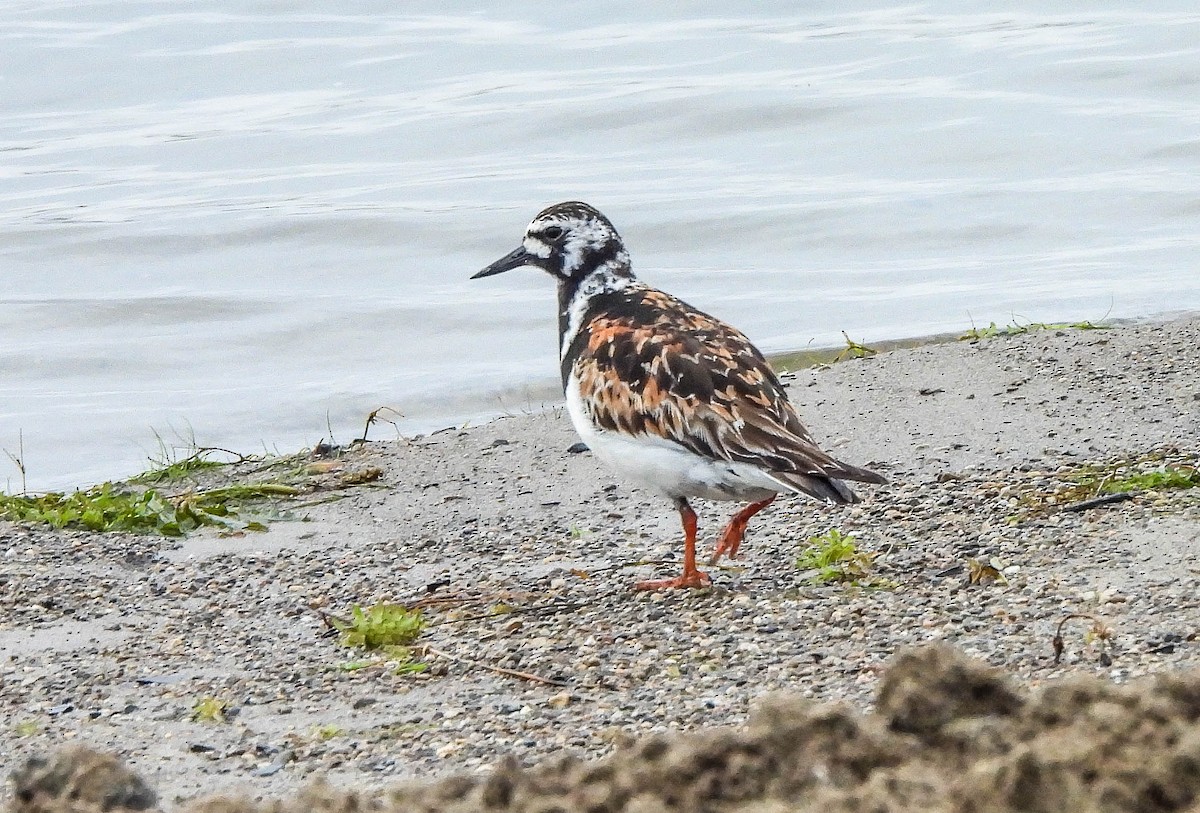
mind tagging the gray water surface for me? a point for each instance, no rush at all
(253, 223)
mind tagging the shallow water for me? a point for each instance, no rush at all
(252, 224)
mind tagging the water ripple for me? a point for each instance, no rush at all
(249, 220)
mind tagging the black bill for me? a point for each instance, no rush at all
(514, 259)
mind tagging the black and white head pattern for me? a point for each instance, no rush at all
(572, 240)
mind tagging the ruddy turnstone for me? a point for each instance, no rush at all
(670, 397)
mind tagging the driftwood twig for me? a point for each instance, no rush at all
(1098, 629)
(1096, 502)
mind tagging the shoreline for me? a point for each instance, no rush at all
(526, 553)
(542, 395)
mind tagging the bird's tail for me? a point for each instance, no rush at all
(827, 485)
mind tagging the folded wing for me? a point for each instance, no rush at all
(659, 367)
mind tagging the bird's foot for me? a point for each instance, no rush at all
(735, 531)
(731, 540)
(695, 578)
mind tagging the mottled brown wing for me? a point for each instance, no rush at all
(648, 363)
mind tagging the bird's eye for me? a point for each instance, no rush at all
(553, 232)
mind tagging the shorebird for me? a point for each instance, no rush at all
(670, 397)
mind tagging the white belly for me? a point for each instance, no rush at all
(666, 467)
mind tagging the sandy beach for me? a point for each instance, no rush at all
(523, 554)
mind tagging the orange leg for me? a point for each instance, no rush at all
(731, 539)
(691, 576)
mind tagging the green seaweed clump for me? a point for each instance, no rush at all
(108, 507)
(1161, 479)
(210, 710)
(386, 629)
(379, 626)
(1018, 328)
(834, 557)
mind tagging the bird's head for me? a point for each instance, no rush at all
(570, 241)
